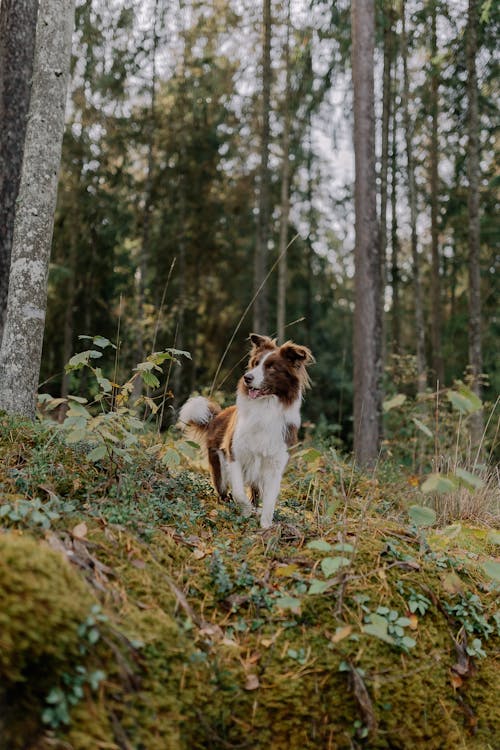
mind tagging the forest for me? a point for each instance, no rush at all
(175, 177)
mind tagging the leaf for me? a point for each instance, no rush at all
(103, 342)
(251, 682)
(438, 483)
(422, 427)
(422, 516)
(377, 627)
(470, 479)
(341, 633)
(394, 402)
(343, 547)
(330, 565)
(80, 530)
(286, 570)
(493, 537)
(319, 587)
(319, 544)
(171, 458)
(96, 454)
(289, 602)
(150, 379)
(464, 400)
(76, 436)
(178, 353)
(492, 569)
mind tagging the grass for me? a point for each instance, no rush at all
(343, 626)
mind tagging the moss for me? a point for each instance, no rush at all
(42, 602)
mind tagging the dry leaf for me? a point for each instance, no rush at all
(80, 531)
(413, 624)
(252, 682)
(199, 554)
(341, 633)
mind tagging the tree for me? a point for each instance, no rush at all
(367, 324)
(21, 349)
(436, 307)
(285, 191)
(17, 44)
(473, 173)
(261, 306)
(412, 191)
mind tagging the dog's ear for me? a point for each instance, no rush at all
(262, 342)
(298, 355)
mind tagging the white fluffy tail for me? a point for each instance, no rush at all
(198, 412)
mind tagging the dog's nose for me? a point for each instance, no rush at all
(248, 377)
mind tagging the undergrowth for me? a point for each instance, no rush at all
(137, 611)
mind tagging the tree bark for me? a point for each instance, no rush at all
(412, 190)
(285, 192)
(395, 275)
(261, 304)
(384, 163)
(436, 306)
(474, 239)
(21, 349)
(367, 324)
(17, 46)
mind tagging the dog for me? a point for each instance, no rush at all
(247, 444)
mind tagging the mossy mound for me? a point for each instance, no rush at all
(344, 629)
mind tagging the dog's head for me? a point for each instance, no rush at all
(276, 370)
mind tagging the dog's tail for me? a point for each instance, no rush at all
(196, 414)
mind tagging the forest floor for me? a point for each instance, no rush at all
(139, 612)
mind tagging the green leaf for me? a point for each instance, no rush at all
(319, 587)
(319, 544)
(492, 569)
(343, 547)
(171, 458)
(150, 379)
(96, 454)
(470, 479)
(422, 427)
(493, 537)
(178, 353)
(464, 400)
(377, 627)
(422, 516)
(76, 436)
(331, 565)
(394, 402)
(438, 483)
(288, 602)
(103, 342)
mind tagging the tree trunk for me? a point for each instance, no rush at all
(21, 349)
(436, 307)
(261, 305)
(285, 192)
(473, 173)
(384, 164)
(395, 277)
(412, 190)
(17, 45)
(367, 328)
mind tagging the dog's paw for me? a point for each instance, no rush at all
(266, 521)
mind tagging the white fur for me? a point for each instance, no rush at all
(258, 372)
(259, 450)
(197, 410)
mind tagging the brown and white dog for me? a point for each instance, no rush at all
(248, 443)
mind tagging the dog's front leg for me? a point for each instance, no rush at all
(238, 488)
(271, 481)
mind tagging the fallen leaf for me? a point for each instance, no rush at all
(286, 570)
(413, 622)
(80, 531)
(252, 682)
(456, 681)
(199, 554)
(341, 633)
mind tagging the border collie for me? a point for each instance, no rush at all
(247, 444)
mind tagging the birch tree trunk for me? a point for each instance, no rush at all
(21, 350)
(473, 173)
(17, 46)
(367, 324)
